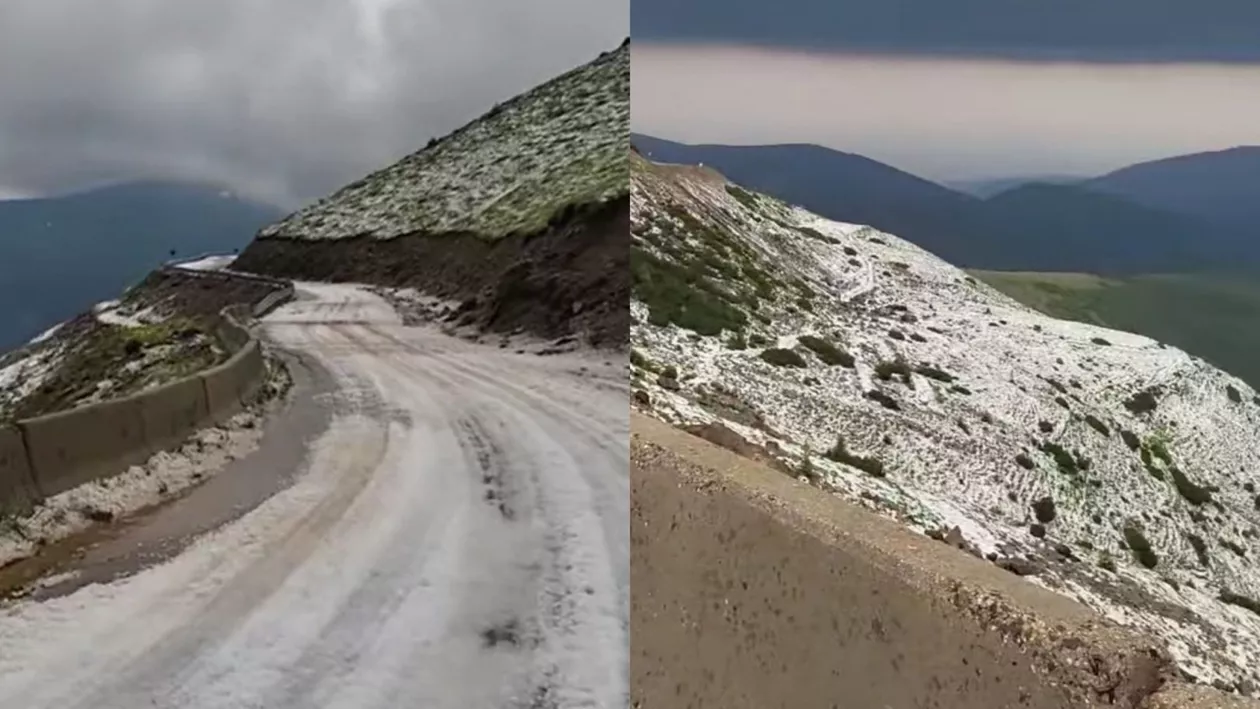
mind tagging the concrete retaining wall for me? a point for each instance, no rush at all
(751, 590)
(17, 487)
(86, 443)
(48, 455)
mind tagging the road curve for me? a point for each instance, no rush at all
(459, 539)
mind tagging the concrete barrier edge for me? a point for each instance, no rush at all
(22, 481)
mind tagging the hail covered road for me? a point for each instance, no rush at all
(457, 539)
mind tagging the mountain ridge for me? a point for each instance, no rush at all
(974, 232)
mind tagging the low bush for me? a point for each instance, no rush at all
(886, 370)
(1130, 439)
(1190, 491)
(827, 352)
(883, 400)
(841, 454)
(782, 358)
(1096, 424)
(1142, 402)
(936, 373)
(1200, 548)
(1045, 510)
(1237, 599)
(1139, 545)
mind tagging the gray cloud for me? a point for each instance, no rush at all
(946, 119)
(283, 99)
(1087, 30)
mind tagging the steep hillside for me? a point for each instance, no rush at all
(59, 255)
(1105, 465)
(1037, 227)
(1221, 186)
(521, 214)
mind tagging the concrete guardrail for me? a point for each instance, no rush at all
(750, 590)
(45, 456)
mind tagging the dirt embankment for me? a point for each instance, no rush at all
(573, 278)
(753, 590)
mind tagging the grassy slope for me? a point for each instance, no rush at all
(560, 144)
(1211, 316)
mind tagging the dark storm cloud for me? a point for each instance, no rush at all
(282, 99)
(1084, 30)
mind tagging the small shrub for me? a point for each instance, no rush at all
(1045, 426)
(840, 454)
(936, 373)
(962, 425)
(1024, 461)
(1191, 492)
(782, 358)
(670, 372)
(960, 389)
(886, 370)
(1233, 394)
(896, 335)
(1142, 402)
(1056, 385)
(1159, 449)
(1237, 599)
(1100, 341)
(1200, 548)
(737, 341)
(1235, 547)
(1062, 402)
(1140, 546)
(1066, 462)
(917, 337)
(758, 340)
(1130, 439)
(1097, 425)
(883, 400)
(1106, 562)
(1037, 530)
(742, 196)
(641, 361)
(827, 352)
(850, 251)
(1045, 510)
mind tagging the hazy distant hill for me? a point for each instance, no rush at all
(1222, 186)
(59, 255)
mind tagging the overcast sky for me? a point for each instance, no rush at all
(280, 99)
(966, 89)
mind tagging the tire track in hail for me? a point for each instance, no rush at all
(376, 599)
(562, 543)
(520, 632)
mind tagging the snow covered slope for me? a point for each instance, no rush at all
(1102, 464)
(562, 143)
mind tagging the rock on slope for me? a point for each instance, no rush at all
(521, 214)
(1101, 464)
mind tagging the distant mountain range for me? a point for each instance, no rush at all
(60, 255)
(1175, 215)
